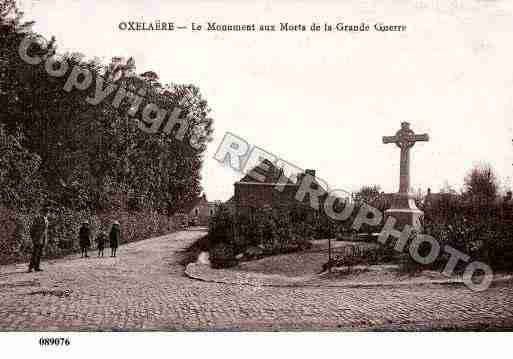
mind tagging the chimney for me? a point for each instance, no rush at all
(310, 172)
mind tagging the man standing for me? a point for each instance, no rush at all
(114, 236)
(84, 235)
(39, 235)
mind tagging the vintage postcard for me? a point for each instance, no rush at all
(276, 166)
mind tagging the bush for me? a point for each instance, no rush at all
(481, 229)
(222, 255)
(358, 255)
(221, 239)
(220, 228)
(11, 235)
(263, 232)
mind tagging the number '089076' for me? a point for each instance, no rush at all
(54, 341)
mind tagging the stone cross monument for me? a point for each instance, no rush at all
(403, 207)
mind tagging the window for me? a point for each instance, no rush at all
(196, 211)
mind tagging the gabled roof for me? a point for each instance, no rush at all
(270, 173)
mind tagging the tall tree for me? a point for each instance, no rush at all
(91, 154)
(482, 182)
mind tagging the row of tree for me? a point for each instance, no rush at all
(58, 149)
(481, 182)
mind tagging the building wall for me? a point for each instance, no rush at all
(248, 195)
(201, 213)
(212, 208)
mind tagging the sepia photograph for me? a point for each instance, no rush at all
(287, 172)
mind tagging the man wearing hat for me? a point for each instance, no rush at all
(84, 236)
(39, 236)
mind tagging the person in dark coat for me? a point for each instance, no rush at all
(84, 236)
(101, 238)
(39, 236)
(114, 236)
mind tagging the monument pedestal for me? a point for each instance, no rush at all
(405, 211)
(403, 207)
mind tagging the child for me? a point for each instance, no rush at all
(114, 236)
(101, 238)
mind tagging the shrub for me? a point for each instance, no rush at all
(481, 229)
(221, 240)
(221, 227)
(264, 231)
(358, 255)
(222, 255)
(10, 234)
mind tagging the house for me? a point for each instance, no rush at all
(271, 190)
(198, 211)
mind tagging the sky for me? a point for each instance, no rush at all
(323, 100)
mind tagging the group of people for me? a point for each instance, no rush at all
(84, 235)
(39, 236)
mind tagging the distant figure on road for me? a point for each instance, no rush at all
(114, 236)
(39, 236)
(84, 236)
(101, 238)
